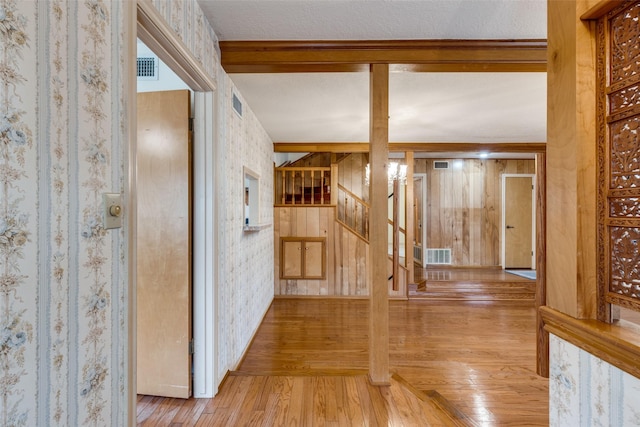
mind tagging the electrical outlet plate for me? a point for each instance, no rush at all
(112, 204)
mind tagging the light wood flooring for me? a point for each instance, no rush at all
(455, 362)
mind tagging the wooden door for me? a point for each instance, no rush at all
(518, 220)
(164, 229)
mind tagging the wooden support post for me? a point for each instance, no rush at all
(379, 288)
(334, 183)
(396, 235)
(284, 186)
(409, 220)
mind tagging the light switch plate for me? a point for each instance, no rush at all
(112, 203)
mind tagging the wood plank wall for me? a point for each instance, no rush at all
(464, 207)
(351, 174)
(313, 160)
(347, 255)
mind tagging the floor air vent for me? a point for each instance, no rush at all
(438, 256)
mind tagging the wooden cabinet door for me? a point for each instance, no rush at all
(292, 259)
(302, 258)
(314, 259)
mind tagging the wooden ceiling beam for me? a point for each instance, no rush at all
(430, 147)
(402, 55)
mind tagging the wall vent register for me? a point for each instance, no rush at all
(147, 68)
(237, 105)
(440, 164)
(438, 256)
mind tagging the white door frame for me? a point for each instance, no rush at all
(533, 216)
(143, 21)
(423, 177)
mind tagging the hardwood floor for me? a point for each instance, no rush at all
(473, 284)
(454, 363)
(247, 400)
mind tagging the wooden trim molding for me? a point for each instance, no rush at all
(131, 206)
(542, 339)
(432, 147)
(600, 9)
(421, 55)
(615, 344)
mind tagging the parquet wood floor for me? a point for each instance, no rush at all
(470, 363)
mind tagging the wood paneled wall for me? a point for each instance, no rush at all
(464, 207)
(313, 160)
(347, 255)
(351, 174)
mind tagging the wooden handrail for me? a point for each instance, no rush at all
(348, 227)
(354, 213)
(358, 199)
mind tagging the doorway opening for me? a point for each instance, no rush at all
(164, 232)
(160, 39)
(459, 223)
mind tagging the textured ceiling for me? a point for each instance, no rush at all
(424, 107)
(376, 19)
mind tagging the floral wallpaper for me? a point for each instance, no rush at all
(58, 152)
(63, 278)
(586, 391)
(18, 224)
(62, 275)
(94, 155)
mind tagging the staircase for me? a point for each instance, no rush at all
(353, 213)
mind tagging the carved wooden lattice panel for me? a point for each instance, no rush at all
(619, 154)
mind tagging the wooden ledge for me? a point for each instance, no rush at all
(255, 227)
(617, 344)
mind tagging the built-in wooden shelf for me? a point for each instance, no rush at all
(617, 344)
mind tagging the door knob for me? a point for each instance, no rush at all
(510, 226)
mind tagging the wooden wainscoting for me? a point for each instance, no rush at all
(347, 255)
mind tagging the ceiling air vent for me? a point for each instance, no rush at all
(440, 164)
(237, 105)
(148, 68)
